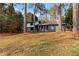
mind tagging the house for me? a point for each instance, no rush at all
(31, 22)
(31, 25)
(42, 26)
(46, 27)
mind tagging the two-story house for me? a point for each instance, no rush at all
(42, 27)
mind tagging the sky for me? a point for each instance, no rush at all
(19, 7)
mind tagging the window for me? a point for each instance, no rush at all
(31, 29)
(31, 23)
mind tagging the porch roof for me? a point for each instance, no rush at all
(47, 24)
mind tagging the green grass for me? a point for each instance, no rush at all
(40, 44)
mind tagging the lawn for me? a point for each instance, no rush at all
(40, 44)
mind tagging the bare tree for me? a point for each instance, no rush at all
(56, 13)
(24, 14)
(75, 17)
(38, 8)
(59, 16)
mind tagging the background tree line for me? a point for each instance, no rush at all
(10, 21)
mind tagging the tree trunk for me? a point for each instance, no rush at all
(24, 10)
(75, 17)
(34, 16)
(59, 16)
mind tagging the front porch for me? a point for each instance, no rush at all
(46, 27)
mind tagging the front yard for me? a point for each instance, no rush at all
(39, 44)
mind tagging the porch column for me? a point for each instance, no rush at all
(44, 28)
(40, 28)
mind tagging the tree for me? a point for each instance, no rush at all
(68, 18)
(46, 13)
(30, 17)
(59, 16)
(2, 9)
(10, 21)
(2, 23)
(53, 13)
(10, 9)
(56, 13)
(19, 20)
(37, 7)
(75, 17)
(25, 21)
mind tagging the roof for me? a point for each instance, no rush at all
(30, 22)
(50, 24)
(47, 24)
